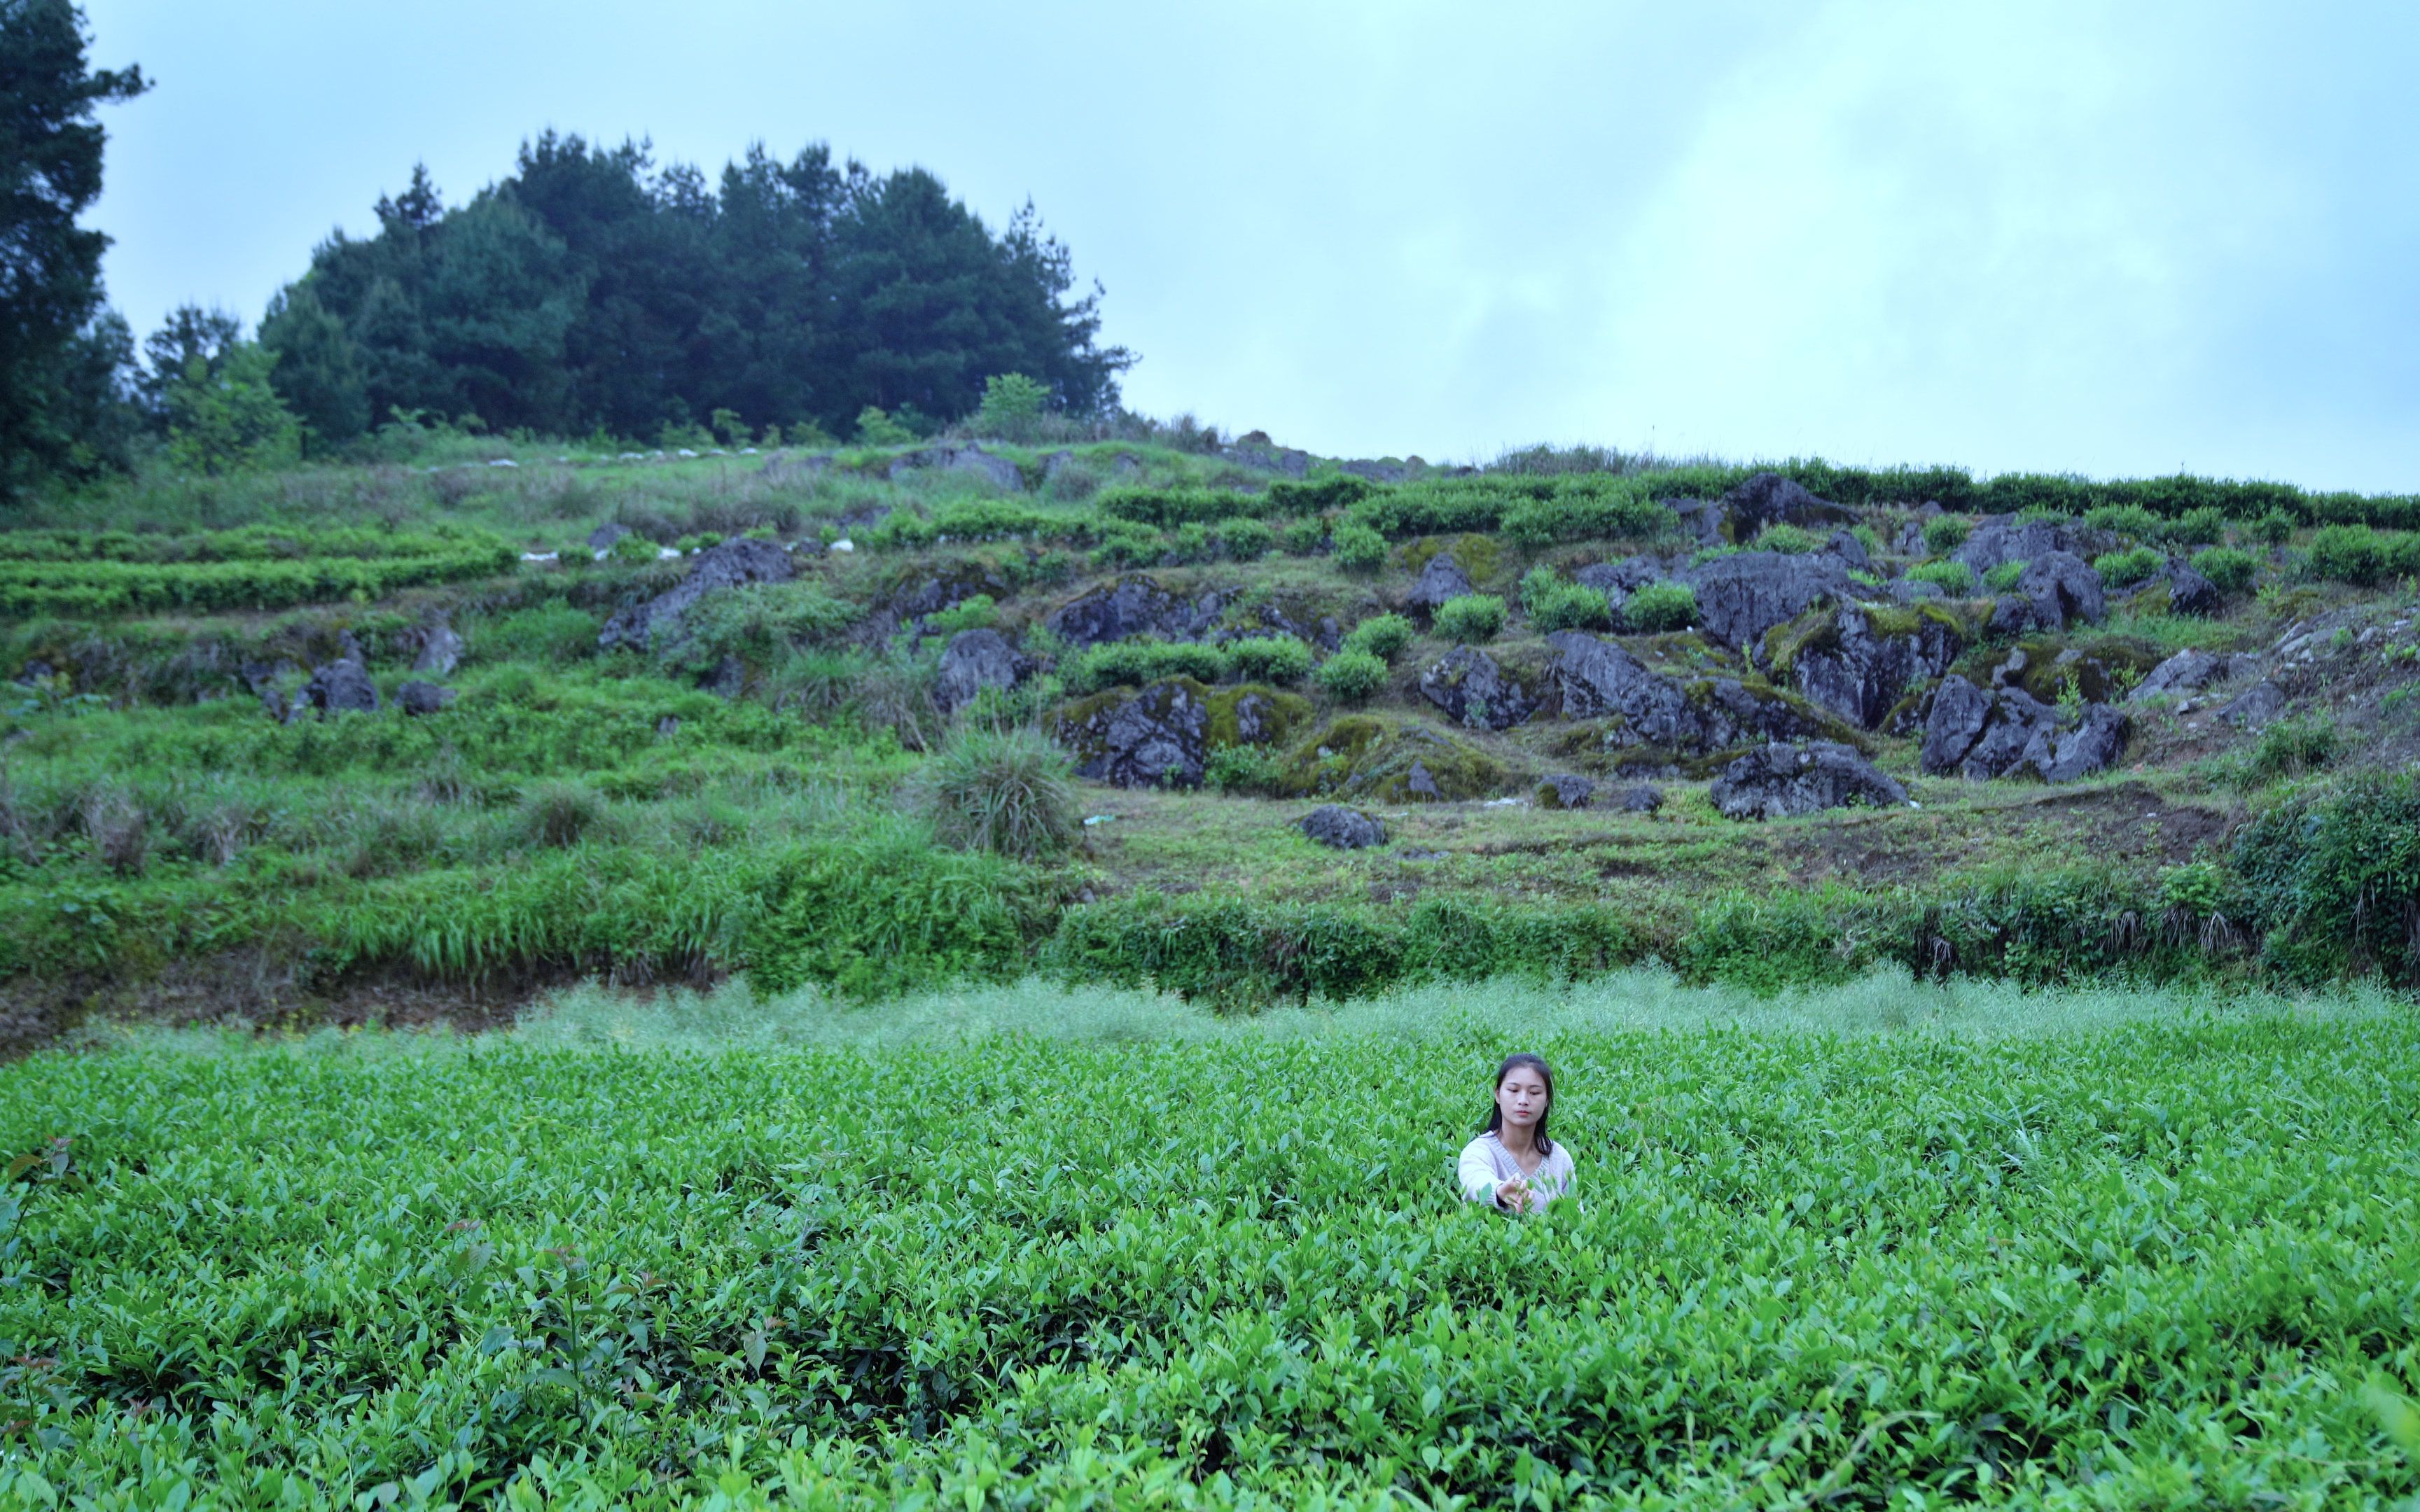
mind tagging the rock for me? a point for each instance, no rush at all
(1644, 798)
(339, 688)
(1565, 790)
(1133, 606)
(603, 536)
(2256, 707)
(2190, 671)
(1156, 738)
(1910, 540)
(2011, 667)
(1441, 579)
(1471, 688)
(1779, 781)
(1915, 590)
(728, 680)
(1255, 450)
(992, 468)
(1258, 720)
(1768, 497)
(1742, 596)
(729, 566)
(1980, 734)
(1125, 467)
(2057, 588)
(974, 661)
(1376, 472)
(441, 651)
(1056, 463)
(1347, 829)
(2190, 593)
(1596, 679)
(1850, 551)
(417, 699)
(1617, 580)
(1419, 783)
(1861, 676)
(1994, 542)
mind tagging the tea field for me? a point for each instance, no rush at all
(2115, 1249)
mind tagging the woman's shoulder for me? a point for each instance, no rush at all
(1481, 1144)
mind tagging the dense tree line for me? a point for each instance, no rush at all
(62, 352)
(592, 290)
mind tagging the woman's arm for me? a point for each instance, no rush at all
(1477, 1174)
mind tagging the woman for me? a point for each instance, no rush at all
(1513, 1164)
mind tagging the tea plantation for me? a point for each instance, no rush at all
(2164, 1263)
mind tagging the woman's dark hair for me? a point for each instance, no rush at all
(1546, 1073)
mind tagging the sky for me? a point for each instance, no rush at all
(2078, 238)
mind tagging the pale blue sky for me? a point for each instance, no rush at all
(2109, 239)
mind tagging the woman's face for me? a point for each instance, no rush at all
(1521, 1096)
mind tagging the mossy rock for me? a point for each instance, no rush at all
(1478, 555)
(1277, 715)
(1363, 757)
(1819, 630)
(2100, 671)
(1077, 726)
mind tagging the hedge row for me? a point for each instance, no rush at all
(252, 543)
(28, 589)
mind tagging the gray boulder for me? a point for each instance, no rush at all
(1565, 790)
(603, 536)
(992, 468)
(1768, 497)
(1742, 596)
(1133, 606)
(417, 699)
(1644, 798)
(2190, 671)
(341, 687)
(1441, 579)
(1255, 450)
(1157, 738)
(975, 660)
(2260, 705)
(1849, 550)
(2189, 592)
(2059, 589)
(732, 564)
(1915, 590)
(441, 651)
(2008, 732)
(1780, 782)
(2005, 540)
(1347, 829)
(1596, 679)
(1420, 782)
(1861, 676)
(1617, 580)
(1471, 688)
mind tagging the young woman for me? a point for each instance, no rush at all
(1513, 1164)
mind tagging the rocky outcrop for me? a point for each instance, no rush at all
(2257, 706)
(1780, 782)
(1133, 606)
(1644, 798)
(2006, 731)
(1441, 579)
(1860, 671)
(441, 651)
(1565, 790)
(1473, 691)
(1347, 829)
(992, 468)
(975, 660)
(1617, 580)
(2059, 589)
(2190, 671)
(1255, 450)
(418, 699)
(341, 687)
(1596, 679)
(1742, 596)
(732, 564)
(2006, 540)
(1770, 499)
(2189, 592)
(1155, 738)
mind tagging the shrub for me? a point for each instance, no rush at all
(1010, 791)
(2228, 569)
(2274, 527)
(1167, 507)
(1660, 607)
(1794, 539)
(1246, 540)
(1553, 604)
(2291, 747)
(559, 812)
(2004, 577)
(2204, 526)
(2359, 555)
(1012, 407)
(1316, 496)
(976, 612)
(1351, 675)
(1135, 662)
(1357, 546)
(1949, 575)
(2120, 569)
(2334, 880)
(1381, 635)
(1470, 618)
(1944, 534)
(2123, 519)
(1303, 538)
(1268, 659)
(1241, 768)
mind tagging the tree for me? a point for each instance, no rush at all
(189, 333)
(231, 420)
(55, 393)
(318, 368)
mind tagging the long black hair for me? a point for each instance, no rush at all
(1546, 1073)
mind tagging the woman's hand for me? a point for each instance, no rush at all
(1513, 1195)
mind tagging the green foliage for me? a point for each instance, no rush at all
(1357, 546)
(1011, 793)
(1944, 533)
(106, 588)
(1240, 768)
(1317, 496)
(1554, 604)
(1470, 618)
(1353, 675)
(1170, 507)
(2228, 569)
(1246, 540)
(2123, 519)
(976, 612)
(2274, 527)
(2204, 526)
(2334, 878)
(1659, 606)
(559, 812)
(1783, 536)
(2005, 578)
(231, 420)
(2122, 569)
(2364, 557)
(1948, 574)
(757, 623)
(1384, 636)
(875, 428)
(1012, 408)
(1133, 663)
(870, 917)
(1268, 659)
(2290, 747)
(1304, 537)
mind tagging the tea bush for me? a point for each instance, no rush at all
(1268, 659)
(1944, 533)
(1554, 604)
(2364, 557)
(2004, 577)
(1660, 607)
(2123, 569)
(1470, 618)
(1381, 635)
(1357, 547)
(1137, 662)
(1949, 575)
(2229, 570)
(1351, 675)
